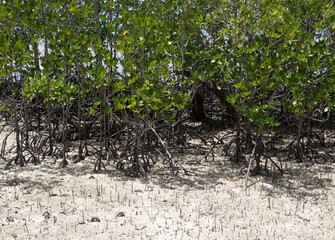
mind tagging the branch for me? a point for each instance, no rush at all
(173, 162)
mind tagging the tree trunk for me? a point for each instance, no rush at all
(299, 151)
(102, 93)
(198, 109)
(238, 154)
(64, 162)
(80, 148)
(259, 152)
(49, 108)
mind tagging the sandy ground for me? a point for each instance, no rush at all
(47, 202)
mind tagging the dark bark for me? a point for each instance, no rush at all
(198, 109)
(221, 94)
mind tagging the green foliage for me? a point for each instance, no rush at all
(57, 88)
(253, 48)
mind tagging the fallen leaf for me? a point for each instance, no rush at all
(46, 215)
(120, 214)
(95, 219)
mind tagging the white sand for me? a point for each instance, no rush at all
(47, 202)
